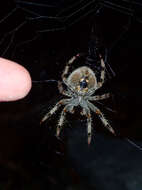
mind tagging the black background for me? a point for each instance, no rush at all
(30, 155)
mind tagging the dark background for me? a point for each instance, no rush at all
(42, 36)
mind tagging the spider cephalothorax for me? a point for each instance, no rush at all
(81, 87)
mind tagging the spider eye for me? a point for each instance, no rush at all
(83, 84)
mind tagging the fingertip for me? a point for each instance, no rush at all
(15, 81)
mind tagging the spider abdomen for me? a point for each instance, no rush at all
(82, 76)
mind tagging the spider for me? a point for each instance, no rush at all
(81, 87)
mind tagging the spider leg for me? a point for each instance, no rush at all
(105, 122)
(66, 70)
(89, 131)
(102, 77)
(87, 113)
(99, 97)
(66, 109)
(54, 109)
(67, 67)
(101, 116)
(62, 91)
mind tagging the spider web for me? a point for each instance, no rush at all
(27, 24)
(47, 16)
(43, 34)
(23, 22)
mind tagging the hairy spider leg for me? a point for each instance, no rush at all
(54, 109)
(99, 97)
(67, 108)
(102, 77)
(87, 113)
(64, 77)
(62, 91)
(67, 67)
(89, 127)
(105, 122)
(101, 116)
(61, 122)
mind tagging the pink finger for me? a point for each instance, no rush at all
(15, 81)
